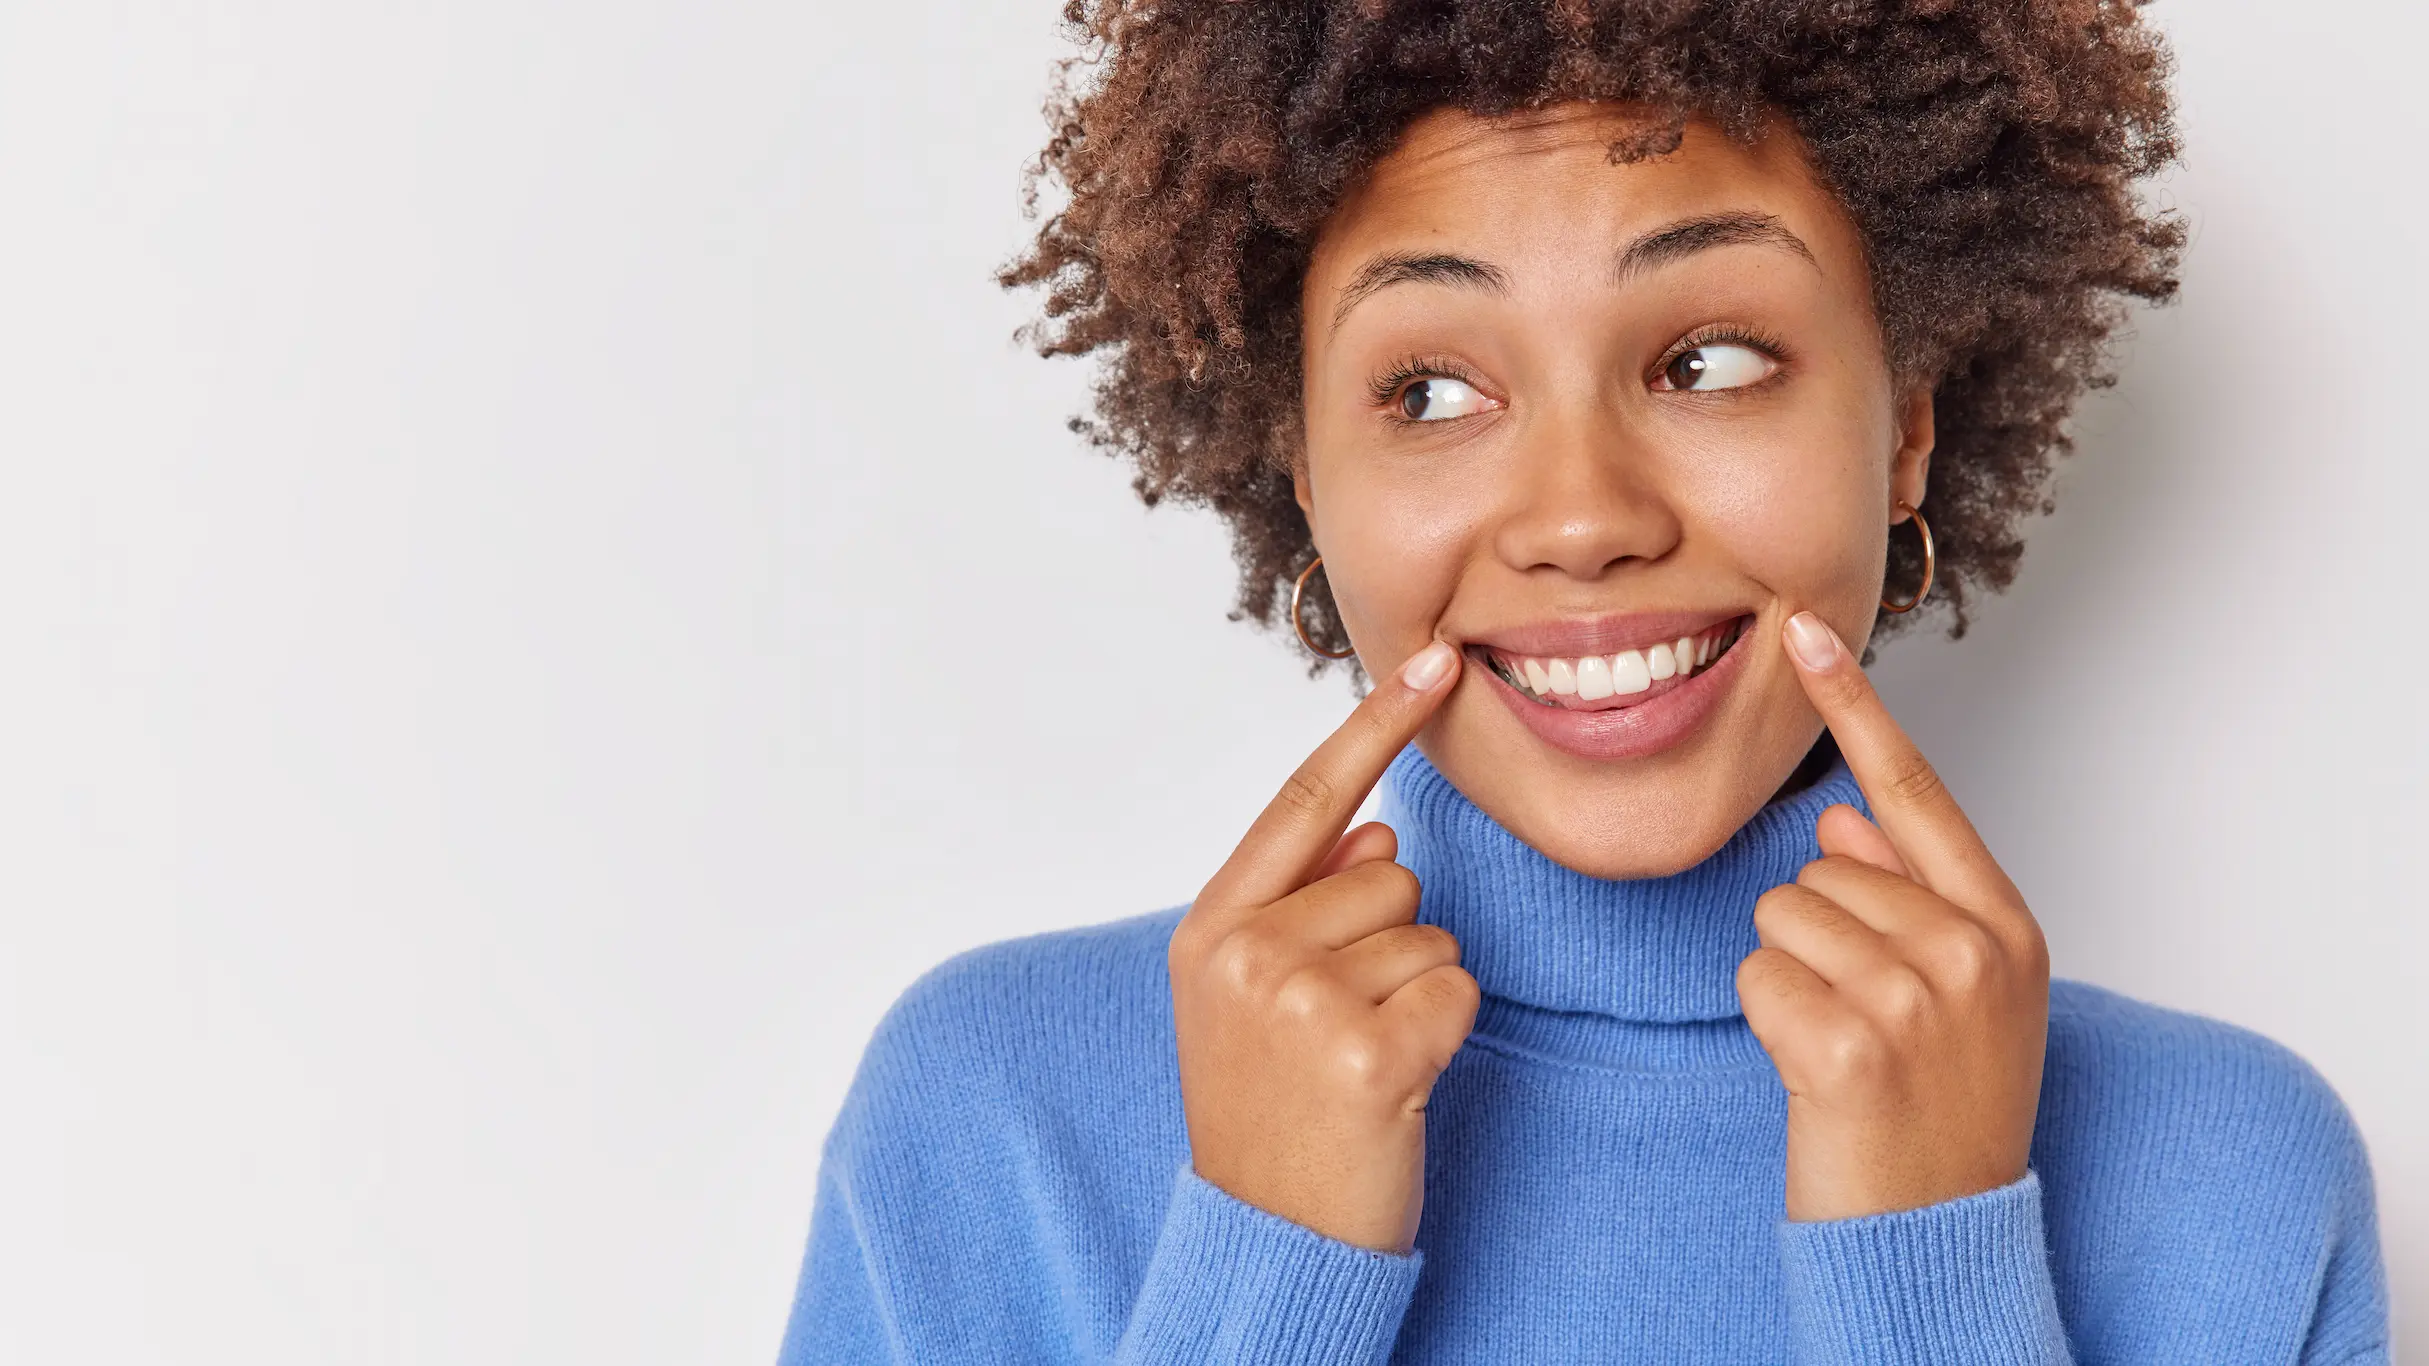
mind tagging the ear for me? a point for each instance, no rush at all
(1910, 467)
(1300, 490)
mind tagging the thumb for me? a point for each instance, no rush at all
(1369, 842)
(1844, 833)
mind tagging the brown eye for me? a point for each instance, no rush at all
(1717, 367)
(1438, 398)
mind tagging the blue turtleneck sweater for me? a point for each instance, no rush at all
(1009, 1179)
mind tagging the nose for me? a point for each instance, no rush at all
(1587, 499)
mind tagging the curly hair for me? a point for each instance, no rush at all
(1986, 150)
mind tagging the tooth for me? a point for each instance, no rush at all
(1660, 663)
(1703, 648)
(1561, 676)
(1685, 650)
(1537, 679)
(1629, 674)
(1593, 678)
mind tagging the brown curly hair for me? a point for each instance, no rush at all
(1987, 151)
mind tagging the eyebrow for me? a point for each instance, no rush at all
(1676, 241)
(1665, 245)
(1434, 268)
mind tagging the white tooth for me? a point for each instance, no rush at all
(1593, 678)
(1629, 674)
(1537, 679)
(1562, 677)
(1703, 649)
(1660, 663)
(1685, 650)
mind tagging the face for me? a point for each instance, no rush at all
(1605, 427)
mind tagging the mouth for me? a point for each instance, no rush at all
(1623, 678)
(1633, 688)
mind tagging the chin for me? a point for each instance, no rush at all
(1636, 816)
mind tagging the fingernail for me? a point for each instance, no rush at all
(1816, 646)
(1428, 667)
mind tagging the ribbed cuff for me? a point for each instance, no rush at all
(1960, 1282)
(1230, 1282)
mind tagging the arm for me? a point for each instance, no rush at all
(1230, 1282)
(1311, 1017)
(1963, 1281)
(838, 1318)
(1903, 992)
(2349, 1326)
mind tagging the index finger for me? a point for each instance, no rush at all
(1914, 808)
(1301, 824)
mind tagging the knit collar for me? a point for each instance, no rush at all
(1661, 949)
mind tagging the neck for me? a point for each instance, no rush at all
(1657, 950)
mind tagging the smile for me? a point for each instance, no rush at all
(1617, 687)
(1624, 678)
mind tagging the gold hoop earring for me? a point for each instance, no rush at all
(1931, 564)
(1297, 591)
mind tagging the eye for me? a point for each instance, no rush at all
(1717, 367)
(1437, 398)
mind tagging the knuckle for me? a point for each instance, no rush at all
(1773, 910)
(1764, 976)
(1966, 955)
(1851, 693)
(1451, 991)
(1911, 779)
(1358, 1060)
(1185, 947)
(1438, 941)
(1900, 997)
(1853, 1055)
(1390, 881)
(1307, 792)
(1304, 996)
(1423, 943)
(2020, 937)
(1250, 957)
(2034, 955)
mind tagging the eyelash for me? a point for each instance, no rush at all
(1725, 334)
(1385, 391)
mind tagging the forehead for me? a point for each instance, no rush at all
(1539, 191)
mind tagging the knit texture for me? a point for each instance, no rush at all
(1009, 1178)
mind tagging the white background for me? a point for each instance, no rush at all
(539, 595)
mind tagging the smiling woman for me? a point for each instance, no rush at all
(1674, 417)
(1676, 1011)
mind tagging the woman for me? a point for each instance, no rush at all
(1603, 376)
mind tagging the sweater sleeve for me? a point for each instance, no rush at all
(1950, 1284)
(1231, 1282)
(2349, 1322)
(837, 1319)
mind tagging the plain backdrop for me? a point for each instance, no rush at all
(539, 594)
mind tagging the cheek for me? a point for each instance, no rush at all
(1798, 514)
(1395, 544)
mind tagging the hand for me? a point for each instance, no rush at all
(1902, 989)
(1312, 1015)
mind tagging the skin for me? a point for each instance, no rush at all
(1902, 985)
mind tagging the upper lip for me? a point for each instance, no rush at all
(1572, 637)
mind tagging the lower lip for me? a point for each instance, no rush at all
(1626, 732)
